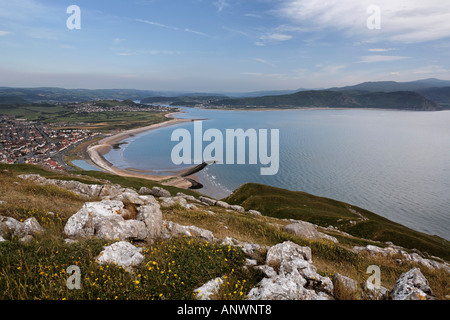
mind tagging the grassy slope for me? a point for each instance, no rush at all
(171, 269)
(282, 203)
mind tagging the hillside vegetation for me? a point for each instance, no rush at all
(285, 204)
(174, 268)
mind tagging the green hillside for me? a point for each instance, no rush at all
(280, 203)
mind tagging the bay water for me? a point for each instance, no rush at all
(394, 163)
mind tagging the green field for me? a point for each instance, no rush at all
(95, 121)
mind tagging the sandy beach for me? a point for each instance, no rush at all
(96, 152)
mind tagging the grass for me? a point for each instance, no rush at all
(171, 270)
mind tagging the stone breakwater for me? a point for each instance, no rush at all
(124, 215)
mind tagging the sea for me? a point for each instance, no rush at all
(394, 163)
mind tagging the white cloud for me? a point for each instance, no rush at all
(380, 50)
(401, 20)
(276, 37)
(4, 33)
(380, 58)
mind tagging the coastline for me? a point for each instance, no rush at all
(94, 154)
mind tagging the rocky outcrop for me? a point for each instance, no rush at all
(308, 231)
(79, 188)
(412, 285)
(401, 254)
(291, 275)
(106, 219)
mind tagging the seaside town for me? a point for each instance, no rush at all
(124, 106)
(23, 141)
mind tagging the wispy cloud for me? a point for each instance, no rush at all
(221, 4)
(118, 40)
(263, 61)
(408, 21)
(4, 33)
(380, 58)
(157, 24)
(259, 74)
(129, 52)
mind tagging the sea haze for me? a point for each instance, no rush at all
(394, 163)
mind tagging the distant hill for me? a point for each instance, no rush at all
(392, 86)
(12, 100)
(438, 95)
(431, 93)
(188, 100)
(45, 94)
(404, 100)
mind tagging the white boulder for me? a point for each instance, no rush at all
(121, 253)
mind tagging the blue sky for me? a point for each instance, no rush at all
(222, 45)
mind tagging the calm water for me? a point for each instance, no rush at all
(394, 163)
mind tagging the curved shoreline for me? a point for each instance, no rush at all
(95, 154)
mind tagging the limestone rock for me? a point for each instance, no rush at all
(187, 197)
(254, 212)
(223, 204)
(345, 283)
(129, 196)
(235, 207)
(399, 251)
(151, 215)
(11, 226)
(172, 229)
(292, 277)
(308, 231)
(160, 192)
(145, 191)
(105, 219)
(121, 253)
(79, 188)
(32, 227)
(412, 285)
(250, 249)
(208, 289)
(208, 201)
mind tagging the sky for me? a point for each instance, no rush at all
(221, 45)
